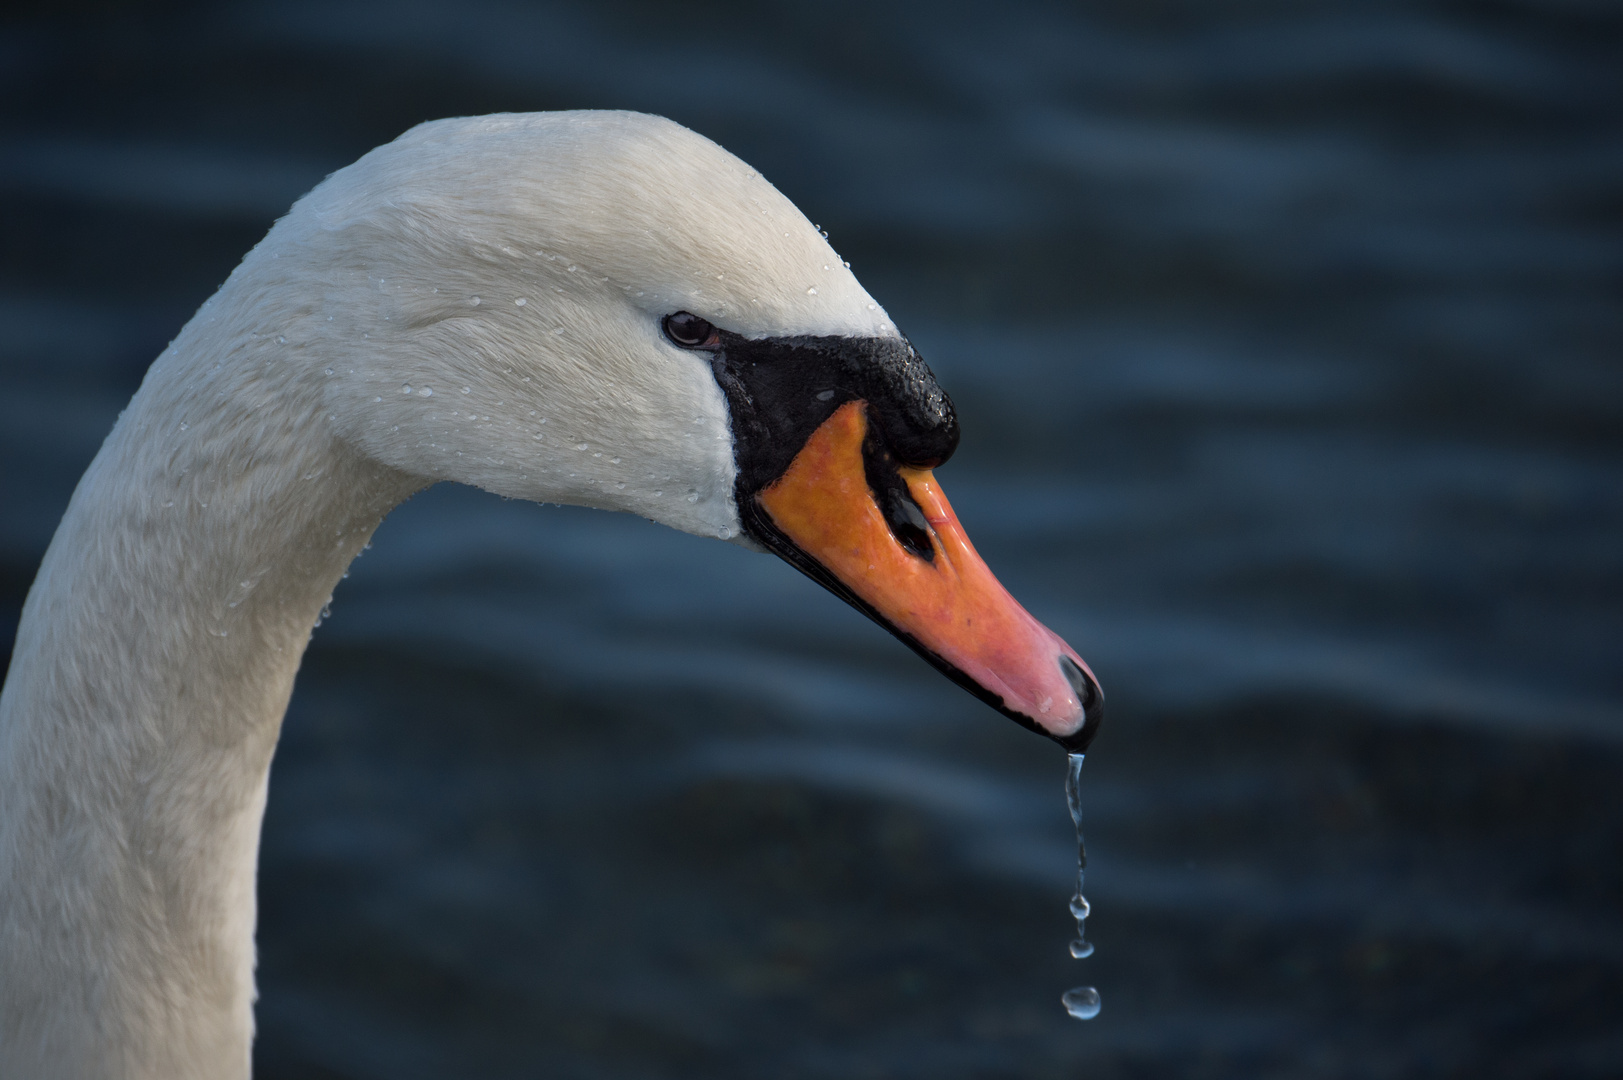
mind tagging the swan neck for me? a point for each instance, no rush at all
(154, 661)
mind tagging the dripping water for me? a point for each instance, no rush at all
(1081, 1002)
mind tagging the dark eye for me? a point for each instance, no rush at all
(688, 331)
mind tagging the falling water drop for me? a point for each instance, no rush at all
(1081, 1002)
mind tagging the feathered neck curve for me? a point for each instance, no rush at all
(479, 301)
(154, 661)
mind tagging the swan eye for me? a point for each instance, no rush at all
(689, 331)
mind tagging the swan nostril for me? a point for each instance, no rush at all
(890, 493)
(907, 522)
(688, 330)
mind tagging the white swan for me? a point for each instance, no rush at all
(593, 308)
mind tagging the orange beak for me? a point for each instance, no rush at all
(946, 605)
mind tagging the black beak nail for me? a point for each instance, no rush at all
(1093, 705)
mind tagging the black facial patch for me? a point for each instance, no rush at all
(780, 390)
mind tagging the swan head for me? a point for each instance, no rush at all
(607, 309)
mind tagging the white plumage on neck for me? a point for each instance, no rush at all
(478, 301)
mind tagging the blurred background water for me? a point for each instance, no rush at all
(1285, 338)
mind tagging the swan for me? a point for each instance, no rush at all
(594, 308)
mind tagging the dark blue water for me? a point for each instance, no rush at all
(1288, 346)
